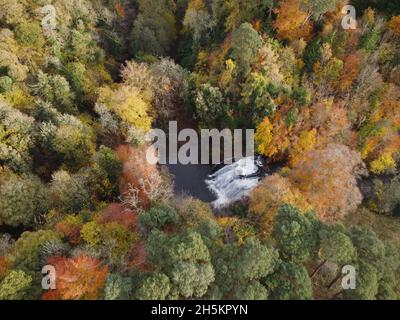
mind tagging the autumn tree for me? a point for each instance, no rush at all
(263, 137)
(116, 212)
(327, 180)
(78, 278)
(140, 184)
(350, 71)
(127, 104)
(304, 143)
(265, 200)
(394, 25)
(291, 22)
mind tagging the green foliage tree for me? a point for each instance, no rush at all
(391, 7)
(245, 45)
(159, 216)
(112, 241)
(236, 266)
(289, 282)
(117, 287)
(103, 175)
(73, 144)
(295, 234)
(28, 251)
(15, 285)
(22, 198)
(16, 131)
(154, 29)
(335, 246)
(56, 90)
(69, 192)
(210, 106)
(30, 33)
(253, 291)
(154, 286)
(185, 259)
(316, 8)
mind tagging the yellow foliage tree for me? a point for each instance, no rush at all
(128, 104)
(263, 137)
(384, 163)
(305, 142)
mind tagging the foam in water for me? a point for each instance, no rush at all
(234, 181)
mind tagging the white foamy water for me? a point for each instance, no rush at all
(234, 181)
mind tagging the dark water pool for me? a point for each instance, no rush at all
(190, 179)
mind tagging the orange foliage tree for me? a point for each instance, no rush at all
(332, 123)
(291, 22)
(268, 197)
(139, 177)
(77, 278)
(394, 25)
(350, 71)
(328, 180)
(71, 230)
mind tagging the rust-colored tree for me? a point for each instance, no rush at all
(116, 212)
(328, 180)
(77, 278)
(3, 266)
(350, 71)
(139, 179)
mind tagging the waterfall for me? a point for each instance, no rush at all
(234, 181)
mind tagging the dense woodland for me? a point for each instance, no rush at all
(76, 192)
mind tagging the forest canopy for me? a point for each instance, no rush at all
(83, 81)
